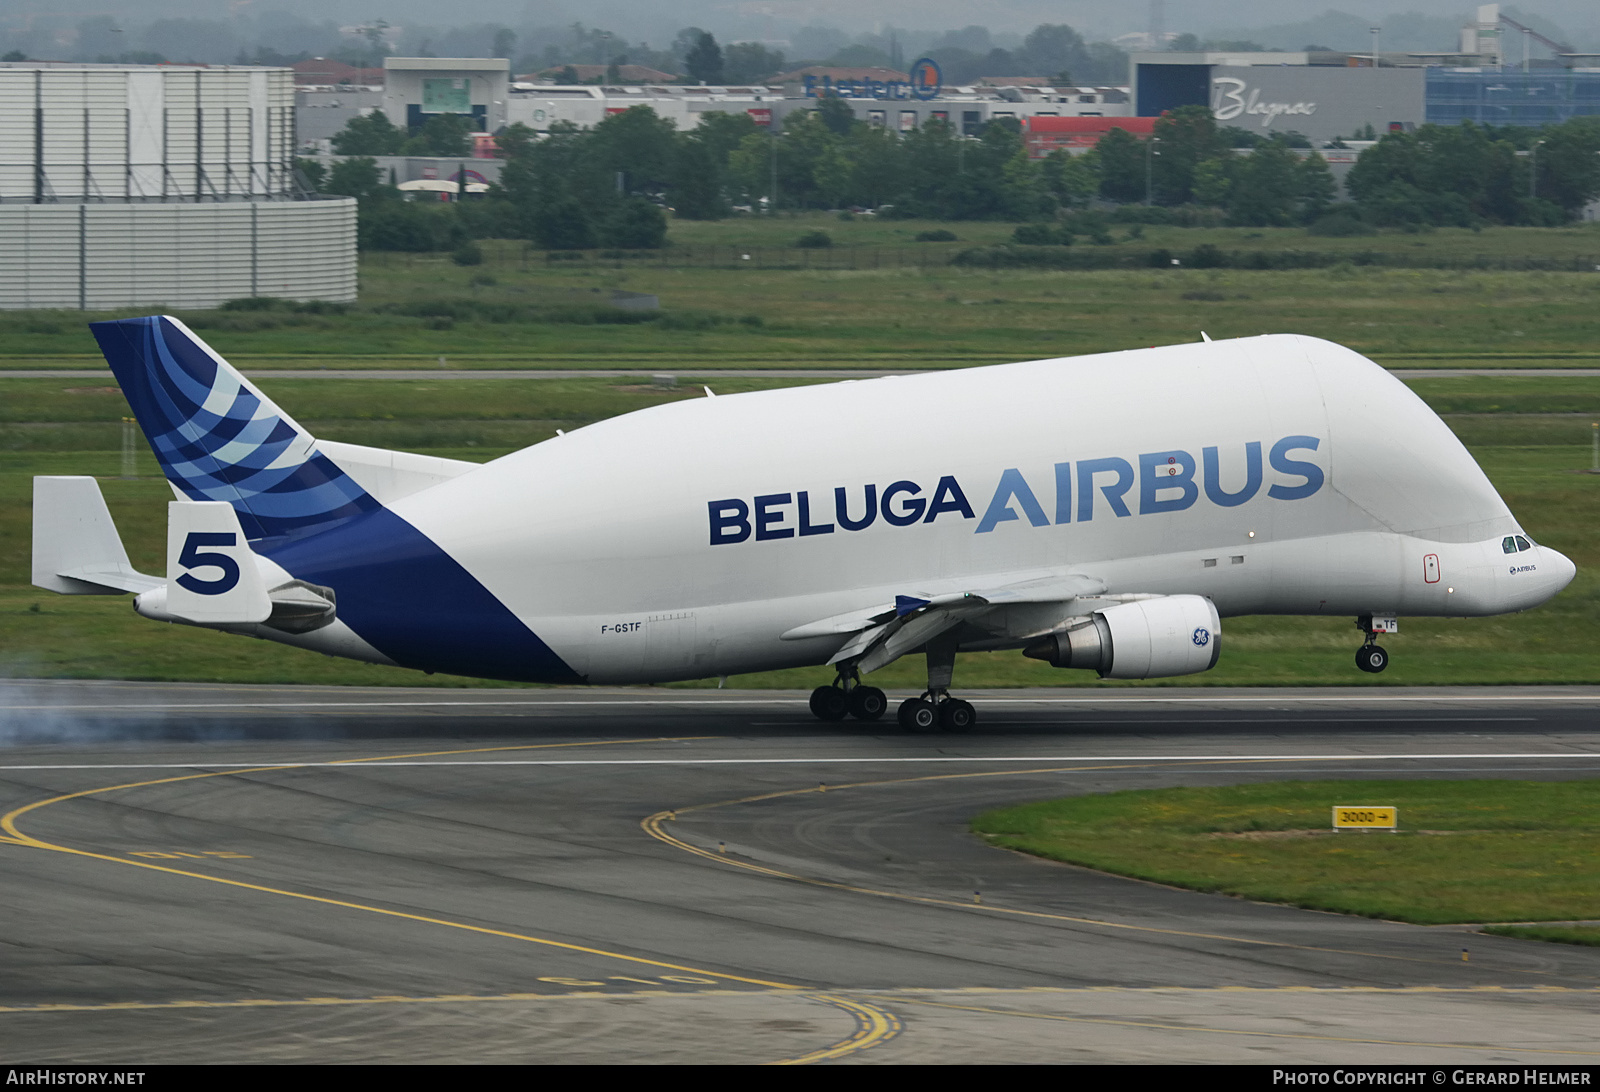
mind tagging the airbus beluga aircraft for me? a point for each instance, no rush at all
(1101, 513)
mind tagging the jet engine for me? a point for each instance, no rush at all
(1144, 639)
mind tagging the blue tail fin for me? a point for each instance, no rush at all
(219, 438)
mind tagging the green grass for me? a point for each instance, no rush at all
(905, 317)
(1467, 851)
(1588, 935)
(1578, 240)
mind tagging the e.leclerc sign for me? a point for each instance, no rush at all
(925, 83)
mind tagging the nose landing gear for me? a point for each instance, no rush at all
(1371, 657)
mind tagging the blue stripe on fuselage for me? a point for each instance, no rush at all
(415, 603)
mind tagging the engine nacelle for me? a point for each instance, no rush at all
(1145, 639)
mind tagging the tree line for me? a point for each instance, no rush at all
(612, 185)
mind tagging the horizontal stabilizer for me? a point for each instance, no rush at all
(76, 548)
(212, 575)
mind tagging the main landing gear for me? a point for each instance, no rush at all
(1371, 657)
(936, 710)
(847, 697)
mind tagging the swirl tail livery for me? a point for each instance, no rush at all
(1101, 512)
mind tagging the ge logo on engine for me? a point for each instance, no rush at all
(1201, 636)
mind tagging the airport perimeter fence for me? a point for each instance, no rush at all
(503, 254)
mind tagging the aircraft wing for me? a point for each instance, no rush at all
(884, 632)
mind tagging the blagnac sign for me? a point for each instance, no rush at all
(1233, 98)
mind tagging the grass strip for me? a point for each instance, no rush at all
(1587, 935)
(1467, 851)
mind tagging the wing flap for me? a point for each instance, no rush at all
(882, 634)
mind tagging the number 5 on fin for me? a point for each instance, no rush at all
(212, 576)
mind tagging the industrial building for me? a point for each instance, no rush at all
(1281, 92)
(144, 185)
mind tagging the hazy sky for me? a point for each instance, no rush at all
(1094, 16)
(658, 20)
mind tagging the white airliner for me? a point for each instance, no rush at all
(1100, 512)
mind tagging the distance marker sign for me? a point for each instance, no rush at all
(1365, 817)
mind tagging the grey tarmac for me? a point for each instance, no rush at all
(269, 873)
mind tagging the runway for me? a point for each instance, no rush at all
(253, 874)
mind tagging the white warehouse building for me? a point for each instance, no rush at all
(127, 186)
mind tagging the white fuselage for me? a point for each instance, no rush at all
(682, 541)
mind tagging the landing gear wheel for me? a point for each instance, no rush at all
(868, 703)
(917, 715)
(1372, 658)
(956, 715)
(829, 703)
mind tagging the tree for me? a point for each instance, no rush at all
(515, 140)
(836, 114)
(638, 143)
(314, 171)
(369, 134)
(1442, 175)
(1074, 180)
(1567, 164)
(1268, 188)
(1024, 194)
(442, 135)
(704, 60)
(1053, 47)
(1213, 180)
(750, 62)
(832, 175)
(562, 223)
(878, 156)
(1122, 167)
(697, 182)
(721, 133)
(1317, 187)
(356, 177)
(1185, 137)
(636, 225)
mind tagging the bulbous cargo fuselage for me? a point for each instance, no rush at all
(1278, 474)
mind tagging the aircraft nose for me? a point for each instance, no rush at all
(1560, 567)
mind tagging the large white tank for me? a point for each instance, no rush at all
(141, 185)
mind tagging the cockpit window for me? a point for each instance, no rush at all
(1523, 544)
(1509, 544)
